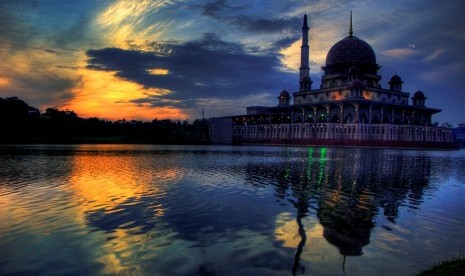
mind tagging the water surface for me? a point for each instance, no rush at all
(223, 210)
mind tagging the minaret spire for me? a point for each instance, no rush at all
(351, 32)
(304, 81)
(305, 25)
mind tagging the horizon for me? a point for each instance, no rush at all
(178, 60)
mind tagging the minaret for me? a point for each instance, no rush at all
(304, 80)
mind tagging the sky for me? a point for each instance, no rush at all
(181, 59)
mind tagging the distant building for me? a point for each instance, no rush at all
(350, 107)
(459, 134)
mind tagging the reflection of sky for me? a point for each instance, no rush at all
(169, 59)
(140, 209)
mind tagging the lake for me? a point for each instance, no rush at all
(228, 210)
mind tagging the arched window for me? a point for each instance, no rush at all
(349, 118)
(335, 119)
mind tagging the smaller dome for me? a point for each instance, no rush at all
(357, 83)
(396, 78)
(418, 95)
(284, 94)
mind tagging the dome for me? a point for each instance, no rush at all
(354, 70)
(351, 49)
(396, 78)
(284, 94)
(418, 95)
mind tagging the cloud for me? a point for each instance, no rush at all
(205, 68)
(262, 25)
(435, 55)
(240, 16)
(161, 46)
(399, 52)
(34, 50)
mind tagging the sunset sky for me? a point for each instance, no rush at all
(172, 59)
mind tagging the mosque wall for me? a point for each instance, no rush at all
(328, 132)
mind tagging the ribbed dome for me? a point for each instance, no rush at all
(351, 49)
(354, 70)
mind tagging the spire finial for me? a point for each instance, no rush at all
(305, 25)
(350, 29)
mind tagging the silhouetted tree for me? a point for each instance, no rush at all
(21, 123)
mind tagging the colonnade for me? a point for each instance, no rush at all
(370, 132)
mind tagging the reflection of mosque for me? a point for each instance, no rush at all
(349, 108)
(351, 199)
(348, 188)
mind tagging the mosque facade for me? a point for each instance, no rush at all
(350, 108)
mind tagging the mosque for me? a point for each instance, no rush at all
(350, 108)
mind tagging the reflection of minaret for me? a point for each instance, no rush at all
(305, 83)
(302, 208)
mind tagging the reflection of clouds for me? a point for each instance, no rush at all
(104, 182)
(118, 193)
(287, 231)
(392, 242)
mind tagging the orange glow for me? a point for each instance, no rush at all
(158, 71)
(104, 182)
(101, 94)
(366, 94)
(336, 96)
(4, 81)
(110, 183)
(104, 185)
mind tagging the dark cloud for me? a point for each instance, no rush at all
(47, 50)
(204, 68)
(217, 8)
(15, 33)
(285, 42)
(262, 25)
(234, 15)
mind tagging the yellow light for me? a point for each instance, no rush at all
(158, 71)
(4, 81)
(107, 184)
(102, 94)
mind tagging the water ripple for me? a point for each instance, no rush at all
(142, 209)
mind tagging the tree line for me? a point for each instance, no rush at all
(21, 123)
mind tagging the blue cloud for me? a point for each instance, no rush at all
(204, 68)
